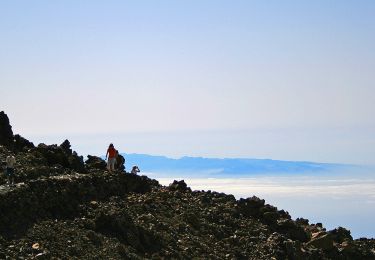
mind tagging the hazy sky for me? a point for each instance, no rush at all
(275, 79)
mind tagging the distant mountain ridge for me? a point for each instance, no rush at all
(216, 166)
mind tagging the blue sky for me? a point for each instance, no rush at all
(290, 80)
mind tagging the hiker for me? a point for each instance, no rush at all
(111, 154)
(135, 169)
(10, 162)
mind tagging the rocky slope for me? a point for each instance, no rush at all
(65, 208)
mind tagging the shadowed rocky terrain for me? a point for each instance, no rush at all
(64, 207)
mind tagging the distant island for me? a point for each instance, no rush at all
(224, 166)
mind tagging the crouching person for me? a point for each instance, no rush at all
(135, 170)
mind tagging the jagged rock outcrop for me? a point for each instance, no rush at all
(6, 133)
(20, 143)
(63, 208)
(179, 186)
(61, 155)
(95, 162)
(16, 142)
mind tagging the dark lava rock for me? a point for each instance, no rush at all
(321, 240)
(21, 143)
(61, 155)
(179, 186)
(251, 206)
(6, 133)
(66, 147)
(292, 230)
(95, 162)
(270, 217)
(340, 235)
(122, 226)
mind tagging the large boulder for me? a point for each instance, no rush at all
(251, 206)
(95, 162)
(66, 147)
(340, 235)
(6, 133)
(292, 230)
(178, 186)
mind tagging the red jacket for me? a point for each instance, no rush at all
(111, 152)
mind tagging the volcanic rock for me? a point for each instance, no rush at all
(21, 143)
(340, 235)
(6, 133)
(321, 240)
(179, 186)
(95, 162)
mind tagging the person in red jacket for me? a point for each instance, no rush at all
(111, 154)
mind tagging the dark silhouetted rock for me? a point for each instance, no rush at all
(179, 186)
(21, 143)
(66, 146)
(271, 217)
(95, 162)
(6, 133)
(61, 155)
(251, 206)
(340, 235)
(302, 221)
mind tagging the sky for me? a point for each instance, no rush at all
(287, 80)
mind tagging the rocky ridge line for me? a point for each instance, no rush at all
(65, 208)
